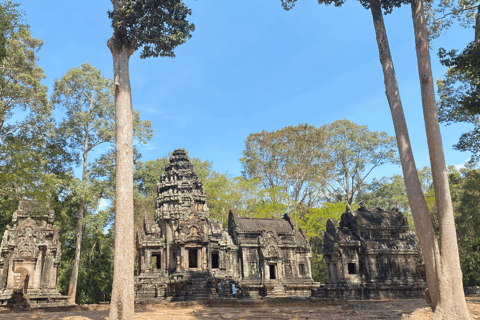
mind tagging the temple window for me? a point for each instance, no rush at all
(272, 271)
(156, 261)
(352, 268)
(215, 264)
(301, 269)
(192, 258)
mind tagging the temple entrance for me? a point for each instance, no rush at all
(192, 258)
(157, 261)
(272, 271)
(215, 260)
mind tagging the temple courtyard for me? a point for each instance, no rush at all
(414, 309)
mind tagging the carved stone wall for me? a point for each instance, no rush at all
(184, 254)
(31, 248)
(372, 254)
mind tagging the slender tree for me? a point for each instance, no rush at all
(157, 27)
(436, 273)
(451, 299)
(87, 98)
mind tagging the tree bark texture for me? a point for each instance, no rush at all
(122, 303)
(72, 284)
(451, 299)
(421, 216)
(477, 25)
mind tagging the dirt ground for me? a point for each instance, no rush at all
(412, 309)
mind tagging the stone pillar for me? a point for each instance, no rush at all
(182, 258)
(204, 258)
(10, 277)
(164, 259)
(148, 260)
(245, 264)
(167, 242)
(309, 267)
(37, 273)
(142, 261)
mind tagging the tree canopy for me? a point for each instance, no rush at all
(291, 161)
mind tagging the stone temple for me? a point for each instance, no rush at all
(29, 258)
(184, 254)
(372, 254)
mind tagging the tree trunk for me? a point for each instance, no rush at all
(72, 284)
(421, 216)
(477, 25)
(451, 303)
(122, 303)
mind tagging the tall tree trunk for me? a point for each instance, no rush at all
(451, 303)
(122, 303)
(421, 216)
(477, 25)
(72, 284)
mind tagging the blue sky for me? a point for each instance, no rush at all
(251, 66)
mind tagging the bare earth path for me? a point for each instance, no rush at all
(412, 309)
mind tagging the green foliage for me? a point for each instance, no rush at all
(157, 26)
(96, 263)
(314, 225)
(20, 76)
(387, 5)
(387, 193)
(315, 219)
(354, 151)
(290, 163)
(442, 17)
(34, 165)
(319, 267)
(460, 94)
(465, 187)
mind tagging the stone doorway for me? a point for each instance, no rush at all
(192, 258)
(157, 261)
(272, 271)
(215, 264)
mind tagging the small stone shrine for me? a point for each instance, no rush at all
(371, 255)
(30, 255)
(184, 254)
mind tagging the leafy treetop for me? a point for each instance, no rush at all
(157, 26)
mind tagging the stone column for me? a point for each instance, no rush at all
(10, 278)
(37, 273)
(245, 264)
(164, 259)
(148, 260)
(142, 261)
(309, 267)
(204, 258)
(53, 277)
(182, 258)
(167, 242)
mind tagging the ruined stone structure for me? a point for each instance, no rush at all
(274, 256)
(184, 254)
(29, 258)
(372, 254)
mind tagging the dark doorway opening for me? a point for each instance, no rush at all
(157, 261)
(351, 268)
(192, 258)
(272, 271)
(215, 264)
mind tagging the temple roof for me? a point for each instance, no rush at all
(376, 218)
(259, 225)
